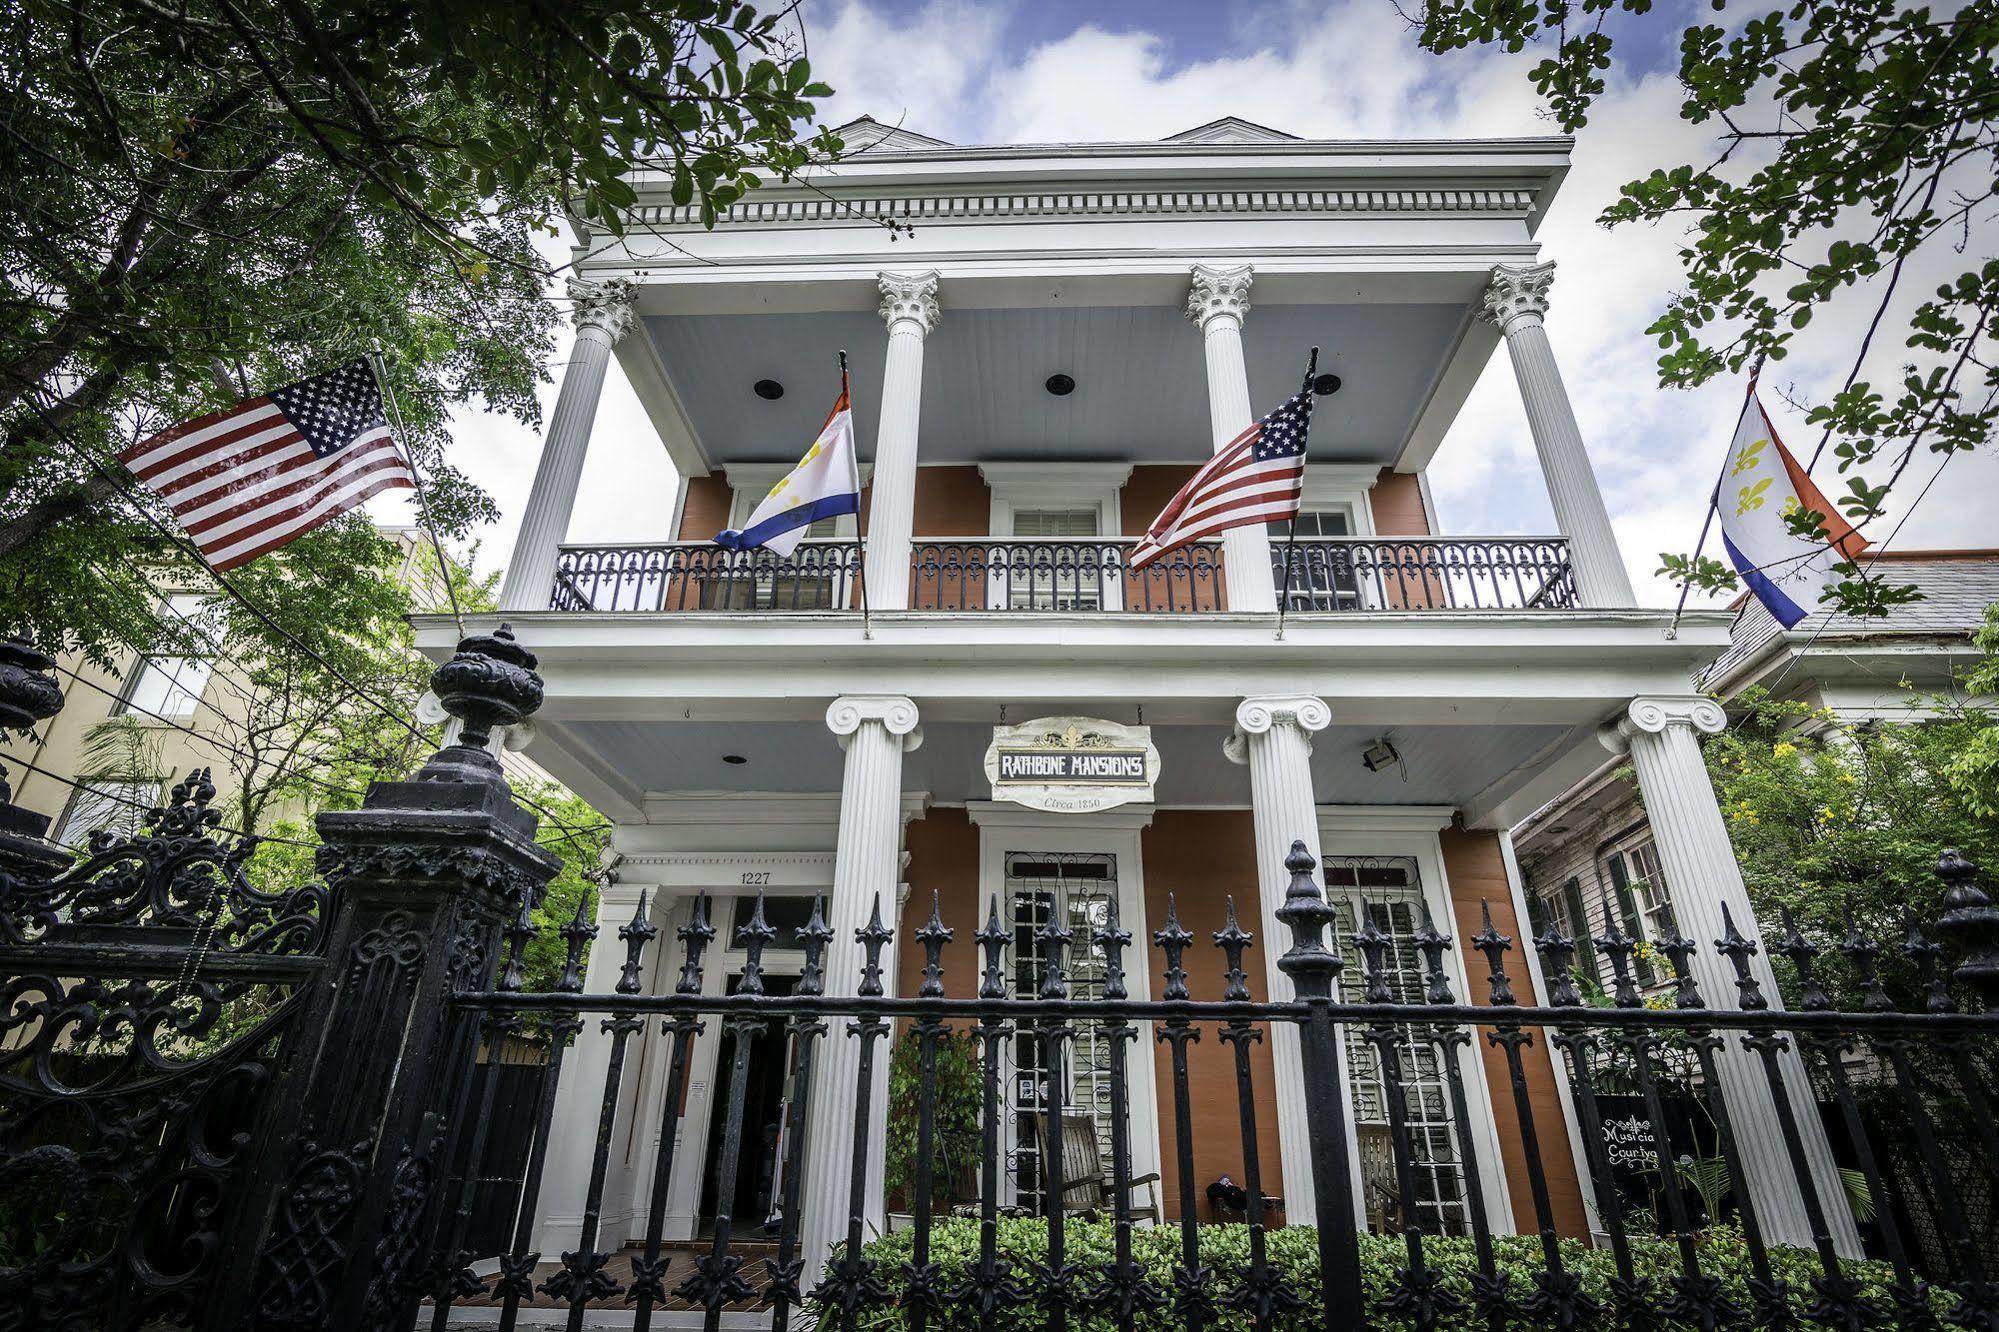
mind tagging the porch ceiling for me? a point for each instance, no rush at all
(1141, 389)
(1447, 765)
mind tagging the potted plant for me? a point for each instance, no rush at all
(958, 1094)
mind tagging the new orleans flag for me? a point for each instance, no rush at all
(825, 482)
(1761, 486)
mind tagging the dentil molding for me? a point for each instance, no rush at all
(909, 296)
(1260, 713)
(1518, 293)
(1218, 292)
(605, 305)
(896, 713)
(1651, 715)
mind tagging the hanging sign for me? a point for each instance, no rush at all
(1072, 765)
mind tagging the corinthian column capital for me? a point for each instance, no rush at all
(1218, 292)
(1517, 293)
(604, 305)
(911, 297)
(896, 713)
(1652, 715)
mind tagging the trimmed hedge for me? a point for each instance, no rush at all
(1293, 1251)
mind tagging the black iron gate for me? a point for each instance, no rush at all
(224, 1108)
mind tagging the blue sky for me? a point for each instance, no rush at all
(1032, 71)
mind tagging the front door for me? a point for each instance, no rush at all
(762, 1124)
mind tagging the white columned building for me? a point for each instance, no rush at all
(603, 314)
(1218, 302)
(876, 731)
(909, 308)
(1660, 734)
(1517, 300)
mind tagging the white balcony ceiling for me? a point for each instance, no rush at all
(1141, 386)
(1444, 764)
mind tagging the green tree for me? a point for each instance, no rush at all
(205, 198)
(1841, 825)
(1851, 137)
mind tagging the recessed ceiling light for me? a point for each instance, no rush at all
(1060, 385)
(769, 389)
(1325, 385)
(736, 759)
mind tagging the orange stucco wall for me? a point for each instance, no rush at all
(1397, 504)
(706, 509)
(1201, 857)
(1473, 864)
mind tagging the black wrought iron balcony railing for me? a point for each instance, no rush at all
(992, 574)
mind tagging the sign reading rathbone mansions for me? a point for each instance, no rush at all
(1072, 765)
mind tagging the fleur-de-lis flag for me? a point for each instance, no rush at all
(1762, 485)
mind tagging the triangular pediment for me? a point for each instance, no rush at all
(1231, 129)
(866, 134)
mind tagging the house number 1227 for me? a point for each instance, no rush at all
(756, 878)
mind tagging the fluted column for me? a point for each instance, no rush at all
(909, 308)
(579, 1098)
(1273, 736)
(1702, 877)
(1516, 300)
(1217, 302)
(876, 731)
(603, 314)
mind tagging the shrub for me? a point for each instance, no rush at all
(1293, 1251)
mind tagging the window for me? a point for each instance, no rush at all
(1392, 893)
(108, 806)
(1321, 578)
(812, 577)
(171, 687)
(1075, 889)
(1640, 886)
(1056, 576)
(1564, 910)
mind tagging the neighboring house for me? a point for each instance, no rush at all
(1068, 333)
(178, 713)
(1591, 851)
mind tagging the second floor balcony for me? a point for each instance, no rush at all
(1072, 575)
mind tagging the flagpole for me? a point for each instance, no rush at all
(1291, 537)
(1713, 501)
(860, 534)
(400, 435)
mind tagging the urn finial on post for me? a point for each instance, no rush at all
(489, 681)
(28, 694)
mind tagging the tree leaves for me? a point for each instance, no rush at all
(1852, 136)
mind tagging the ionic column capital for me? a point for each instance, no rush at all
(604, 304)
(909, 297)
(1518, 294)
(1651, 715)
(1217, 293)
(1262, 713)
(896, 713)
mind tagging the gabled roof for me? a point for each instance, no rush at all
(866, 134)
(1231, 129)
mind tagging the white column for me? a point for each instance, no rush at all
(603, 314)
(876, 731)
(909, 308)
(1516, 301)
(1701, 878)
(1273, 736)
(579, 1099)
(1217, 302)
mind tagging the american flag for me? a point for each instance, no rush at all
(252, 477)
(1258, 478)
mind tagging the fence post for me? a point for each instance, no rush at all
(28, 694)
(1313, 969)
(424, 876)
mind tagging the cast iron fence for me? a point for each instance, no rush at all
(226, 1108)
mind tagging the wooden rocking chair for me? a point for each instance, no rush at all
(1087, 1184)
